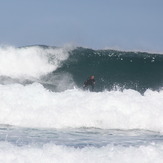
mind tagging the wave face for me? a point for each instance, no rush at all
(116, 69)
(59, 69)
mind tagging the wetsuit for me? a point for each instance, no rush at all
(89, 82)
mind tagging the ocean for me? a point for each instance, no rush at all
(47, 117)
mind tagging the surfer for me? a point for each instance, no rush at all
(89, 82)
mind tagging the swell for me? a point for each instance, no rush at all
(59, 69)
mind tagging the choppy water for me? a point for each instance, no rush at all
(79, 137)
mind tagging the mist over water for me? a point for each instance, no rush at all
(47, 116)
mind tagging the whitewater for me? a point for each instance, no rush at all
(46, 116)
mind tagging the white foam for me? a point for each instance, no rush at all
(34, 106)
(60, 154)
(30, 62)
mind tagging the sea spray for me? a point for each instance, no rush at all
(30, 62)
(34, 106)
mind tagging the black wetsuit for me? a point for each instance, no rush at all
(89, 82)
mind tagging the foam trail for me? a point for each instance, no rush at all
(30, 62)
(34, 106)
(62, 154)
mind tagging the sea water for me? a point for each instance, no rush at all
(79, 145)
(45, 116)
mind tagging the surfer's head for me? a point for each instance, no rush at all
(92, 77)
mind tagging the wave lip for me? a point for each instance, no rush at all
(30, 62)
